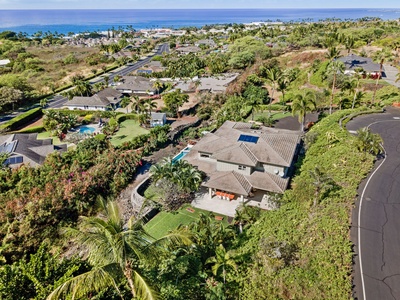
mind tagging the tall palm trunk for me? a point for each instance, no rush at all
(333, 93)
(128, 275)
(270, 102)
(355, 95)
(377, 81)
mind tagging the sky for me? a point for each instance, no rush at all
(161, 4)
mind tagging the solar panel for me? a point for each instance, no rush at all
(8, 147)
(14, 160)
(248, 138)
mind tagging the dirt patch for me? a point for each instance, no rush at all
(302, 59)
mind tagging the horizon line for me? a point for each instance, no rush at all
(199, 8)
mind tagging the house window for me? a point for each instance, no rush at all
(240, 167)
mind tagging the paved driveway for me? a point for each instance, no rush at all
(391, 73)
(376, 217)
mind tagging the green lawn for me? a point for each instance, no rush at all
(46, 135)
(128, 129)
(276, 115)
(164, 222)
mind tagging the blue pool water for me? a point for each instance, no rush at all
(180, 156)
(86, 129)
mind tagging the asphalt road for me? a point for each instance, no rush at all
(376, 218)
(58, 101)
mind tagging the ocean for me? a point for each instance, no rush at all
(76, 21)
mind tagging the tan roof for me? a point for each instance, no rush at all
(239, 154)
(274, 146)
(211, 143)
(229, 181)
(268, 182)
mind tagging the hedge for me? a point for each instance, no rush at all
(122, 118)
(83, 113)
(34, 129)
(21, 120)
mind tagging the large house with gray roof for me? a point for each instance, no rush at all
(107, 99)
(137, 85)
(24, 148)
(240, 159)
(352, 62)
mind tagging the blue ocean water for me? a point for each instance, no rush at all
(64, 21)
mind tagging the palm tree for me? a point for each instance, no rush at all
(380, 56)
(149, 105)
(333, 54)
(273, 75)
(335, 67)
(359, 72)
(43, 102)
(368, 142)
(349, 43)
(158, 85)
(254, 101)
(137, 105)
(302, 104)
(83, 87)
(222, 261)
(125, 101)
(321, 182)
(115, 253)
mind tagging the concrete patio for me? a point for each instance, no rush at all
(219, 206)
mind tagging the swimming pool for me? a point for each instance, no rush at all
(86, 129)
(180, 156)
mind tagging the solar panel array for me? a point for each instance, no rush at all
(248, 138)
(8, 147)
(14, 160)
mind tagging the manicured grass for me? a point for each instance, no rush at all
(276, 115)
(164, 222)
(128, 129)
(46, 135)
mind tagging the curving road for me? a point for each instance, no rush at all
(376, 218)
(58, 101)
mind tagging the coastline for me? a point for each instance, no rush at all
(85, 20)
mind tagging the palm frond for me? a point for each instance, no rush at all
(95, 280)
(174, 238)
(143, 290)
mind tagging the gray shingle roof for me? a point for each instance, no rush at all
(102, 99)
(268, 181)
(136, 83)
(274, 146)
(29, 146)
(354, 61)
(229, 181)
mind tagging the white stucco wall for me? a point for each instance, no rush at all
(72, 107)
(224, 167)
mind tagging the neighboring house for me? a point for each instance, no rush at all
(209, 43)
(240, 160)
(107, 99)
(353, 61)
(137, 85)
(158, 119)
(212, 84)
(27, 149)
(188, 49)
(4, 62)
